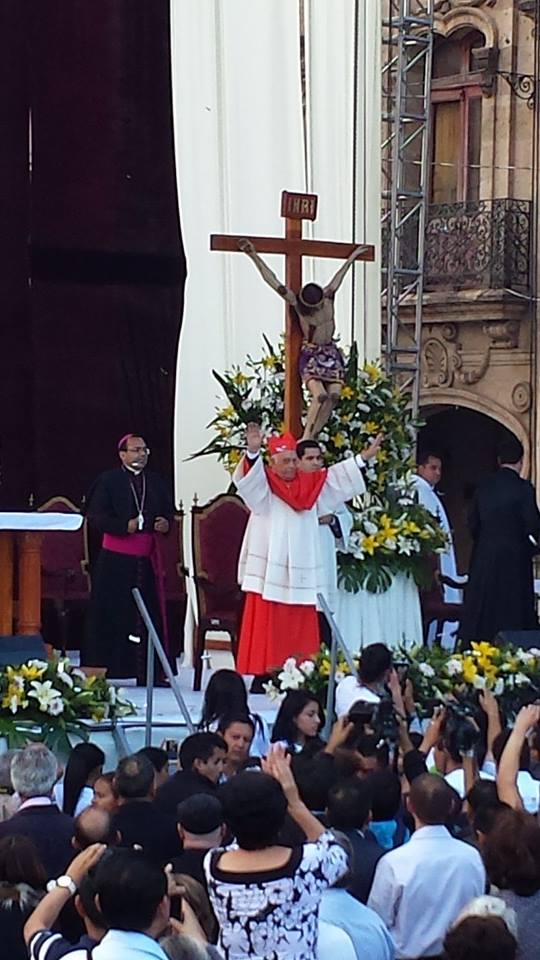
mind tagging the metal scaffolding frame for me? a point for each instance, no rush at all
(406, 85)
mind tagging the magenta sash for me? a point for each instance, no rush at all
(144, 545)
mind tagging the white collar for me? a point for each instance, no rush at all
(431, 830)
(426, 483)
(37, 802)
(131, 470)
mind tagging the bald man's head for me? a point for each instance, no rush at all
(93, 825)
(431, 799)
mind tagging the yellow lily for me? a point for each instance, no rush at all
(369, 544)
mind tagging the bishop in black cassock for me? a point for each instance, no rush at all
(505, 525)
(131, 508)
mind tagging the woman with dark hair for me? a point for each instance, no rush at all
(104, 795)
(485, 930)
(266, 896)
(297, 725)
(226, 695)
(84, 766)
(511, 853)
(22, 885)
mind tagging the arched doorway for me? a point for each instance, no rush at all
(467, 442)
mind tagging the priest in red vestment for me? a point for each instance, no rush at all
(281, 567)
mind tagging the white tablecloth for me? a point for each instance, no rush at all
(40, 521)
(393, 617)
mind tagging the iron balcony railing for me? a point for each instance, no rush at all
(476, 245)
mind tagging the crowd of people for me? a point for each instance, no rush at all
(393, 839)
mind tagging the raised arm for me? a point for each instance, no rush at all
(278, 765)
(508, 770)
(266, 273)
(339, 277)
(491, 709)
(52, 904)
(249, 476)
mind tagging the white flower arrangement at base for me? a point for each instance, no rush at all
(51, 700)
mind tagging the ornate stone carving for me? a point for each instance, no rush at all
(521, 396)
(469, 377)
(449, 332)
(503, 335)
(443, 364)
(436, 366)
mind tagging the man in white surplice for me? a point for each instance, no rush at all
(428, 475)
(280, 567)
(334, 525)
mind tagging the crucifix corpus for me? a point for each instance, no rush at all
(311, 354)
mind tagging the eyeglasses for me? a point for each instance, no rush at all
(138, 450)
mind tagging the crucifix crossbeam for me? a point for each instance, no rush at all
(294, 208)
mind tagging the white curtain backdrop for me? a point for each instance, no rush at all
(240, 141)
(343, 79)
(238, 135)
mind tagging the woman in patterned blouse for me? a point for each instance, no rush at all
(265, 896)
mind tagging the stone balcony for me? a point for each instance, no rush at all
(477, 316)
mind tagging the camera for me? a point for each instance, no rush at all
(379, 717)
(458, 728)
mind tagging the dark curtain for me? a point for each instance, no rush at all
(93, 266)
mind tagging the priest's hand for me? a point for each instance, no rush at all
(161, 525)
(133, 525)
(253, 437)
(373, 448)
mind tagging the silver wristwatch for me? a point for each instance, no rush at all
(65, 882)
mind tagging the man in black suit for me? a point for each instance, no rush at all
(201, 758)
(132, 509)
(137, 821)
(34, 772)
(505, 526)
(348, 810)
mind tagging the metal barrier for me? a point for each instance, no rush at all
(336, 643)
(154, 644)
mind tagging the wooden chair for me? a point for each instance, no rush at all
(172, 556)
(432, 601)
(65, 585)
(217, 531)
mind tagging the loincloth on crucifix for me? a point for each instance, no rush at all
(321, 361)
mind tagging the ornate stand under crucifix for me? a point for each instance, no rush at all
(310, 351)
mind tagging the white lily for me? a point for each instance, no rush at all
(56, 707)
(44, 693)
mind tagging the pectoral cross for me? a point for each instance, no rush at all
(295, 207)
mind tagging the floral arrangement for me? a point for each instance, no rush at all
(392, 533)
(308, 674)
(48, 700)
(512, 674)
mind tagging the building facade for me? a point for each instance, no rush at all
(479, 345)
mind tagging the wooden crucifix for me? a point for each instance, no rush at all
(295, 207)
